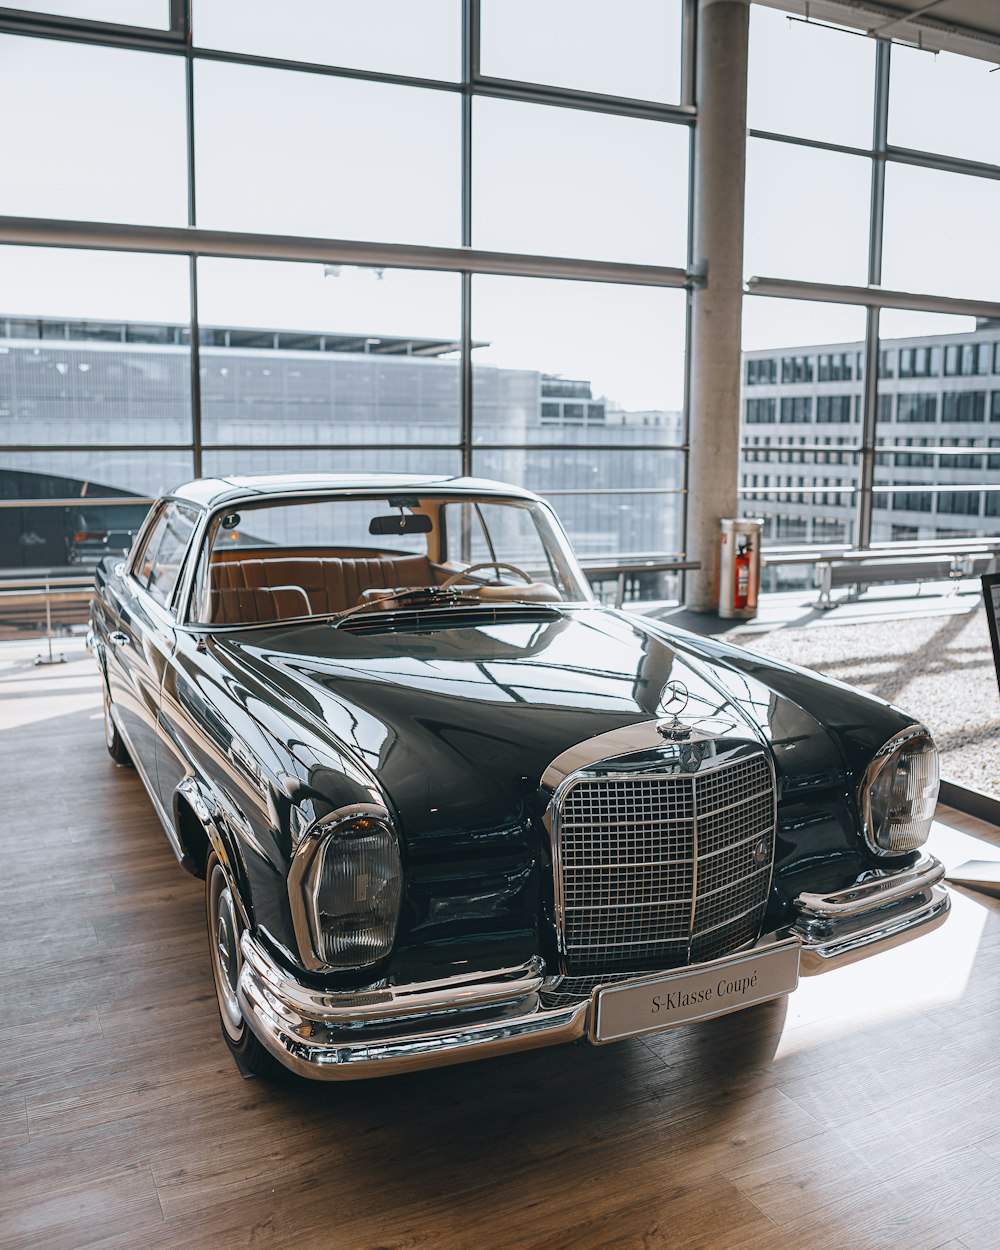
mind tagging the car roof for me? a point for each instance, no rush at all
(213, 491)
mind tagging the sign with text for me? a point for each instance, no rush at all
(697, 993)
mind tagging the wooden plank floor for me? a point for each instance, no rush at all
(859, 1114)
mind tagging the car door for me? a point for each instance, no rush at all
(132, 689)
(144, 635)
(165, 573)
(195, 738)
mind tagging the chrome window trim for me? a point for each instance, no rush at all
(139, 544)
(205, 531)
(170, 609)
(170, 605)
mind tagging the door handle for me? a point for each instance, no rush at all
(118, 638)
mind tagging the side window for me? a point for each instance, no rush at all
(486, 532)
(179, 524)
(160, 561)
(143, 565)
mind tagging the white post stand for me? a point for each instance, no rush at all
(50, 659)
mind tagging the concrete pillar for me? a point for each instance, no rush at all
(717, 243)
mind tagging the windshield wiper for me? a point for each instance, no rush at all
(440, 598)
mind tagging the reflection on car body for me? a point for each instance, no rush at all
(447, 806)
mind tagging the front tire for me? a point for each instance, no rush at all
(224, 930)
(112, 738)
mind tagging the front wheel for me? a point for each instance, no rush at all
(224, 930)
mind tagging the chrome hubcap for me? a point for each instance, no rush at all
(224, 939)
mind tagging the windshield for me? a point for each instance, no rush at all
(328, 556)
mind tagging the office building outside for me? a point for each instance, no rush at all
(937, 463)
(271, 400)
(268, 396)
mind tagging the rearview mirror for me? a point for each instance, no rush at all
(403, 523)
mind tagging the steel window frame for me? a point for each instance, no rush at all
(193, 242)
(873, 297)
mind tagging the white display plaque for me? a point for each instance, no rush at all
(689, 994)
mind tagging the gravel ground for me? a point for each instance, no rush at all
(940, 668)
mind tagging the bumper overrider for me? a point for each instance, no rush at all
(383, 1031)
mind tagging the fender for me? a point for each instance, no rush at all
(208, 811)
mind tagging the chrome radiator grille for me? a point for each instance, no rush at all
(658, 871)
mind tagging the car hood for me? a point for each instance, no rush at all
(458, 725)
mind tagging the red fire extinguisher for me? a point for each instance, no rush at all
(741, 594)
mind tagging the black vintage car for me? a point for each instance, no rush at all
(447, 806)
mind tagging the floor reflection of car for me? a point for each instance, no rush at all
(446, 806)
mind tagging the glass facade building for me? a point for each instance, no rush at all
(272, 399)
(937, 439)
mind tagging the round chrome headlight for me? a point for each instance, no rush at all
(345, 887)
(899, 793)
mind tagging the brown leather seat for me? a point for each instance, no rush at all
(237, 605)
(327, 583)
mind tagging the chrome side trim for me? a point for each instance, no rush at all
(206, 809)
(876, 936)
(881, 909)
(875, 889)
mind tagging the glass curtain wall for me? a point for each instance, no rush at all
(522, 315)
(801, 425)
(857, 418)
(939, 401)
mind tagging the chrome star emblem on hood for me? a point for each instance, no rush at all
(674, 698)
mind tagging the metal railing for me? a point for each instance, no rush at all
(45, 589)
(823, 552)
(622, 570)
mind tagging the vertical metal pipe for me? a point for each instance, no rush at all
(869, 427)
(192, 209)
(689, 31)
(714, 346)
(866, 469)
(690, 17)
(180, 18)
(466, 397)
(470, 71)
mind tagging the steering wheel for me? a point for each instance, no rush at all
(486, 564)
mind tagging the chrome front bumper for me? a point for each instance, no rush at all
(381, 1032)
